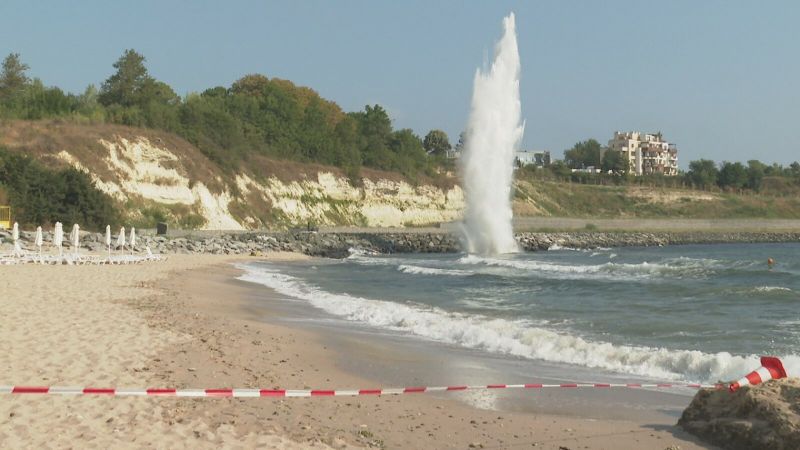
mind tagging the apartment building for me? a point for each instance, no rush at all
(648, 153)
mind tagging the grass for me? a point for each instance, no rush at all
(146, 214)
(577, 201)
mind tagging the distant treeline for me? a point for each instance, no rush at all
(41, 196)
(254, 116)
(703, 174)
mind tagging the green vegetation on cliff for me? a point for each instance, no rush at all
(41, 196)
(255, 116)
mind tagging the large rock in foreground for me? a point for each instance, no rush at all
(766, 416)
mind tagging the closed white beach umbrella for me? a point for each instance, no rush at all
(121, 238)
(39, 240)
(75, 237)
(132, 239)
(15, 237)
(108, 240)
(58, 237)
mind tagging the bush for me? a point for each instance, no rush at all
(256, 115)
(39, 196)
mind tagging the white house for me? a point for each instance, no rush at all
(539, 158)
(647, 153)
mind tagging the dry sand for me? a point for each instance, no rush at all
(186, 323)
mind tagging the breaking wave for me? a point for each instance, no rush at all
(419, 270)
(557, 247)
(672, 268)
(772, 289)
(514, 337)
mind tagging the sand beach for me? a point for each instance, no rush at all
(188, 323)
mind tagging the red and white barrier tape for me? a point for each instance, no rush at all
(155, 392)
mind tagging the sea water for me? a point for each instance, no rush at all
(687, 313)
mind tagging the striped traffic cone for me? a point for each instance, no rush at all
(771, 369)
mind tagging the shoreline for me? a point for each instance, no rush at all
(187, 323)
(339, 244)
(311, 357)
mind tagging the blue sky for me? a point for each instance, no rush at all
(721, 79)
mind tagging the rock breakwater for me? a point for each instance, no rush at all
(338, 245)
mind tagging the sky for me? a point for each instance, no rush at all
(721, 79)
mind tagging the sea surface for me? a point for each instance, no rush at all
(686, 313)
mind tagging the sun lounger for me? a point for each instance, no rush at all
(125, 259)
(154, 257)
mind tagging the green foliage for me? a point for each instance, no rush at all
(703, 173)
(615, 162)
(192, 221)
(583, 155)
(13, 77)
(255, 116)
(436, 143)
(794, 168)
(408, 154)
(732, 176)
(124, 87)
(755, 174)
(40, 196)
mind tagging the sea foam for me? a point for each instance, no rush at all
(513, 337)
(420, 270)
(673, 268)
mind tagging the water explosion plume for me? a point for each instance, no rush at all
(493, 135)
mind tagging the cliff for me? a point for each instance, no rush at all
(157, 176)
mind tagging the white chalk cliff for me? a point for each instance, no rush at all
(140, 173)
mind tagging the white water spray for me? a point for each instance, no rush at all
(493, 134)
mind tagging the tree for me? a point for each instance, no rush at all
(153, 91)
(794, 168)
(584, 154)
(560, 169)
(123, 87)
(40, 195)
(732, 175)
(375, 129)
(615, 162)
(409, 154)
(702, 173)
(13, 77)
(252, 85)
(755, 174)
(436, 143)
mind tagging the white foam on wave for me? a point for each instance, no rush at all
(672, 268)
(763, 291)
(519, 338)
(367, 257)
(592, 250)
(356, 252)
(772, 289)
(420, 270)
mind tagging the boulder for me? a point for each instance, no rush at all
(765, 416)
